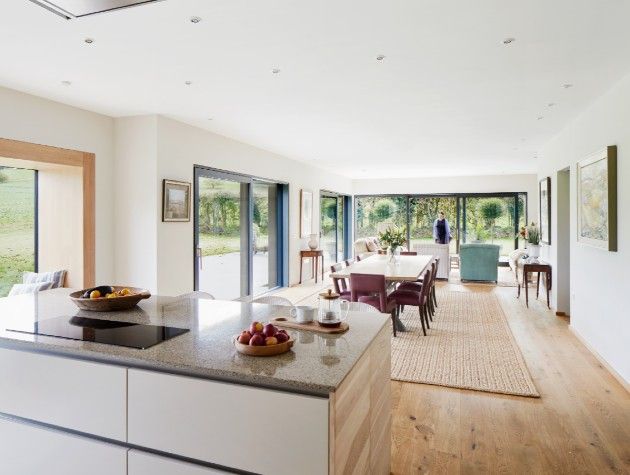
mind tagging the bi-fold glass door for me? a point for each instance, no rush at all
(334, 214)
(240, 234)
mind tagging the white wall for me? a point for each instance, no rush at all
(164, 262)
(135, 201)
(455, 184)
(599, 279)
(33, 119)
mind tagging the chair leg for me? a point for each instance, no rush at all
(433, 295)
(424, 331)
(394, 321)
(424, 315)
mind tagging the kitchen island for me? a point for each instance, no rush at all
(191, 404)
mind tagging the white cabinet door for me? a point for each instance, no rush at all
(142, 463)
(26, 449)
(80, 395)
(257, 430)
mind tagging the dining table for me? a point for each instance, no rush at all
(400, 269)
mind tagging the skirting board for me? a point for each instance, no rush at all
(625, 384)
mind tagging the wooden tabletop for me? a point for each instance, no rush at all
(408, 268)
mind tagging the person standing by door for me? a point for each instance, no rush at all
(441, 230)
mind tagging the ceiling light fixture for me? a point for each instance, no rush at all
(380, 57)
(275, 71)
(540, 117)
(551, 104)
(89, 41)
(66, 83)
(195, 19)
(567, 86)
(188, 83)
(509, 41)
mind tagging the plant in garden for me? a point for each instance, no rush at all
(393, 237)
(3, 178)
(382, 210)
(491, 210)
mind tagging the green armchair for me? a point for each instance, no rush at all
(479, 262)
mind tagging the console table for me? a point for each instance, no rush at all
(538, 267)
(314, 255)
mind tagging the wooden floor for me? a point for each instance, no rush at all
(580, 425)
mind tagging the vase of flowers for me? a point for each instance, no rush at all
(532, 237)
(394, 238)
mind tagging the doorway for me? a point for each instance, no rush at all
(333, 225)
(562, 241)
(240, 234)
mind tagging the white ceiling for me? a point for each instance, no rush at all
(449, 99)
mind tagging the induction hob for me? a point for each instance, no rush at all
(130, 335)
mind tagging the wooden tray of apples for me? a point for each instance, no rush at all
(263, 340)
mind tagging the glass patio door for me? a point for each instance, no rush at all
(240, 234)
(222, 236)
(424, 210)
(332, 231)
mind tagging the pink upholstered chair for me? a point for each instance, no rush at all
(372, 290)
(415, 298)
(408, 253)
(418, 286)
(341, 286)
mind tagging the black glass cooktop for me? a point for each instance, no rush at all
(131, 335)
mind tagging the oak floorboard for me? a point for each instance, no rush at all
(580, 425)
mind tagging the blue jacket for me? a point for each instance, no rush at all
(448, 230)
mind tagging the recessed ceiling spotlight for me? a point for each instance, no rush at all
(89, 41)
(66, 83)
(551, 104)
(275, 71)
(210, 118)
(509, 41)
(540, 117)
(380, 57)
(567, 86)
(195, 19)
(188, 83)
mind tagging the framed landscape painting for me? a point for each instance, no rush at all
(544, 200)
(306, 213)
(597, 199)
(175, 201)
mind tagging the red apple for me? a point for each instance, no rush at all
(281, 337)
(255, 327)
(271, 340)
(269, 330)
(257, 340)
(244, 337)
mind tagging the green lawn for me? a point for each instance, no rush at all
(16, 226)
(212, 244)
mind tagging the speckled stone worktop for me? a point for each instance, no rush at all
(316, 365)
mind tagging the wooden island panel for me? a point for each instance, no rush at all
(360, 413)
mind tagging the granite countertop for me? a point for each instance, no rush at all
(316, 365)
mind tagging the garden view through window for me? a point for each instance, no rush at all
(17, 225)
(488, 218)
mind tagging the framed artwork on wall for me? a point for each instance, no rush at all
(544, 201)
(597, 199)
(306, 213)
(175, 201)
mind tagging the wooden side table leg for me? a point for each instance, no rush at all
(316, 267)
(538, 285)
(526, 289)
(322, 269)
(548, 284)
(301, 265)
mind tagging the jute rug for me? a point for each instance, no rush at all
(469, 346)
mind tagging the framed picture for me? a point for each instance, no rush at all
(306, 213)
(544, 200)
(175, 201)
(597, 199)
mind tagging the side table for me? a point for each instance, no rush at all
(535, 267)
(314, 255)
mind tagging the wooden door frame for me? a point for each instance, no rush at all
(60, 156)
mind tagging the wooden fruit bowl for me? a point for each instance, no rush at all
(270, 350)
(103, 304)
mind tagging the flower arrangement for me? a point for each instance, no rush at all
(530, 233)
(393, 237)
